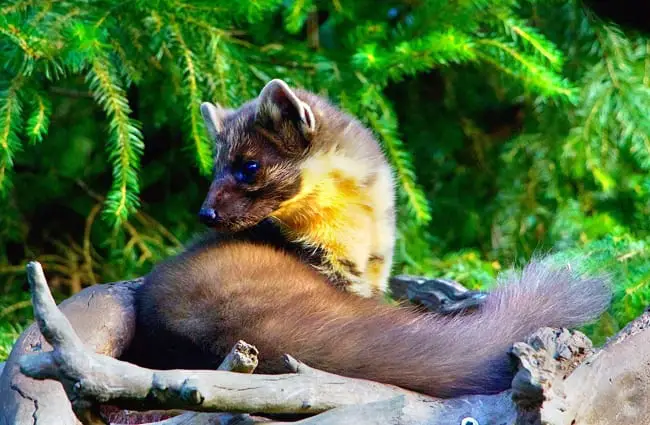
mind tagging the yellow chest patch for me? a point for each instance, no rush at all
(333, 211)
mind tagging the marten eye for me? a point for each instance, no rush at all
(246, 172)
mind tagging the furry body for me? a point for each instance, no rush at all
(302, 199)
(322, 179)
(193, 308)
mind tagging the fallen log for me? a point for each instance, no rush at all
(104, 318)
(561, 380)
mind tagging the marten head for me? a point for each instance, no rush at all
(259, 149)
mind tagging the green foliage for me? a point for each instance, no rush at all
(9, 333)
(15, 310)
(512, 126)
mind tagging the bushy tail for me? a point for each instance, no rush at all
(468, 353)
(197, 308)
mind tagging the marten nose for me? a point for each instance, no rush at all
(208, 216)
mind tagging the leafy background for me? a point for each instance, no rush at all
(514, 126)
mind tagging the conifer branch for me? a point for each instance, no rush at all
(10, 126)
(539, 46)
(39, 120)
(385, 124)
(17, 6)
(219, 79)
(526, 69)
(126, 144)
(202, 146)
(296, 15)
(413, 56)
(13, 33)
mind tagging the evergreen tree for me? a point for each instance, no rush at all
(513, 126)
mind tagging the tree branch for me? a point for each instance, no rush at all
(242, 358)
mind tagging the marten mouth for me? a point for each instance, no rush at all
(211, 218)
(226, 223)
(231, 226)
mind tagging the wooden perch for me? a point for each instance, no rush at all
(242, 358)
(103, 316)
(561, 379)
(91, 377)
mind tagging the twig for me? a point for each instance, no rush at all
(71, 92)
(88, 260)
(313, 39)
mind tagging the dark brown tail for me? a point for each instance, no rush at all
(197, 306)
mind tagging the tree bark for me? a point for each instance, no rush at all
(103, 317)
(561, 378)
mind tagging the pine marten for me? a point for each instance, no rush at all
(292, 160)
(291, 156)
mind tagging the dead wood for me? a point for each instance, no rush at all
(103, 317)
(242, 358)
(90, 378)
(561, 380)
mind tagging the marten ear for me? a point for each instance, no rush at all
(277, 102)
(213, 117)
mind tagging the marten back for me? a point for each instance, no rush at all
(194, 307)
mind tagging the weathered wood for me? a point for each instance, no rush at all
(612, 386)
(439, 295)
(242, 358)
(562, 380)
(103, 317)
(89, 377)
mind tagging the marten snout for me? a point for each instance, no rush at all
(208, 216)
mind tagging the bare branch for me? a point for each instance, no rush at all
(53, 324)
(242, 358)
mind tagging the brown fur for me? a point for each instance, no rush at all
(194, 307)
(325, 182)
(323, 179)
